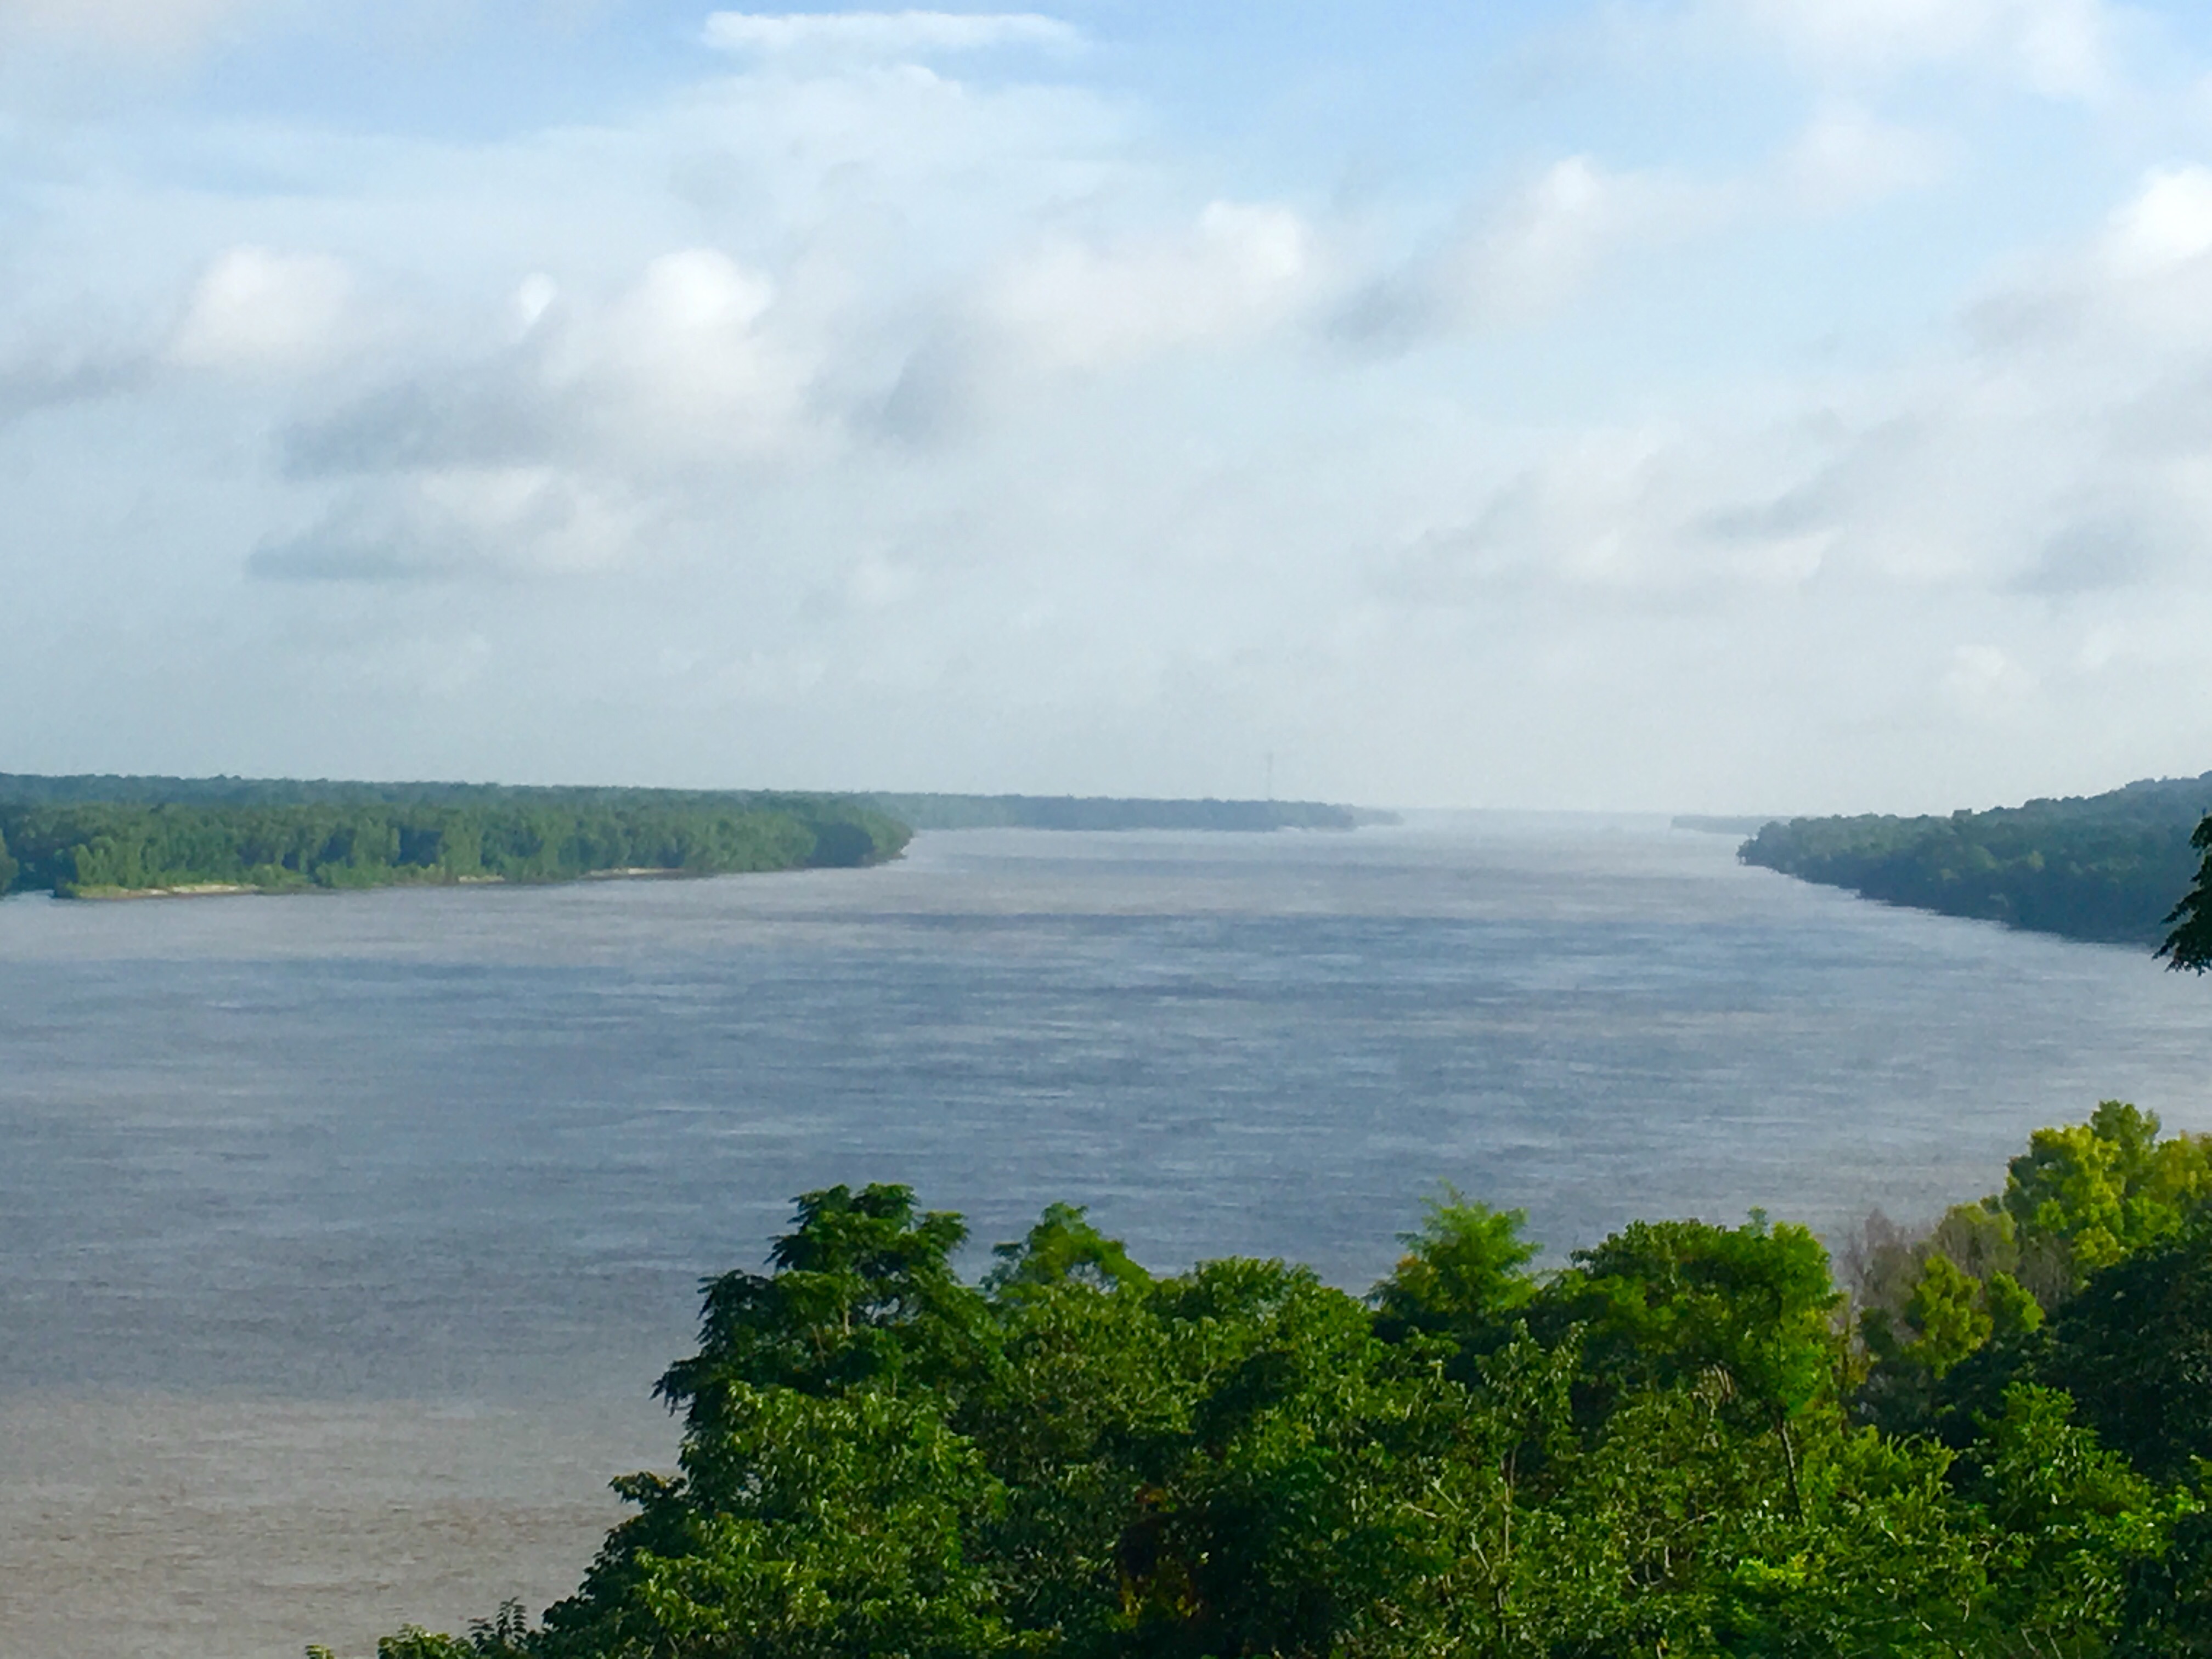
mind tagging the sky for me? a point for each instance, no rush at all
(1699, 406)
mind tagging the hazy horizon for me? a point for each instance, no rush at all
(1667, 407)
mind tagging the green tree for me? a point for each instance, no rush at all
(1648, 1453)
(1062, 1248)
(862, 1294)
(1948, 1313)
(2189, 942)
(1666, 1302)
(2135, 1349)
(2072, 1521)
(1465, 1273)
(2108, 1187)
(1889, 1562)
(801, 1528)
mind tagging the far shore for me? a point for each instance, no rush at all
(197, 890)
(224, 888)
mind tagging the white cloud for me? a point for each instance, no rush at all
(688, 361)
(1985, 681)
(2057, 48)
(534, 296)
(2168, 222)
(629, 402)
(2129, 305)
(1567, 222)
(887, 35)
(1239, 270)
(1847, 156)
(445, 522)
(255, 308)
(2044, 497)
(1628, 516)
(126, 25)
(1535, 254)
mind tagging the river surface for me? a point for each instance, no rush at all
(340, 1237)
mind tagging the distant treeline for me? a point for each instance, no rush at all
(93, 848)
(919, 811)
(102, 833)
(1108, 812)
(2105, 867)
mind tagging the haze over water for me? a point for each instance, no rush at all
(474, 1147)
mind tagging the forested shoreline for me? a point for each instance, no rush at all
(94, 835)
(100, 834)
(1980, 1439)
(98, 849)
(918, 810)
(2099, 867)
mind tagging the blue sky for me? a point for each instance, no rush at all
(1728, 404)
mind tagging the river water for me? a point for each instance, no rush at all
(340, 1237)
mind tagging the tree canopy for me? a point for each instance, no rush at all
(1687, 1439)
(2101, 867)
(99, 848)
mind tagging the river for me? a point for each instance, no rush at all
(340, 1237)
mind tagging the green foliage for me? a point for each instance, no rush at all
(1465, 1272)
(1948, 1317)
(2082, 1198)
(862, 1293)
(506, 1635)
(1063, 1248)
(2014, 1311)
(100, 849)
(1651, 1451)
(96, 834)
(2189, 945)
(2108, 1187)
(2070, 1522)
(2100, 868)
(2167, 1613)
(1670, 1302)
(918, 812)
(802, 1528)
(2135, 1349)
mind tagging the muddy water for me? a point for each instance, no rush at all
(341, 1237)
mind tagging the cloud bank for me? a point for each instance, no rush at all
(886, 33)
(894, 399)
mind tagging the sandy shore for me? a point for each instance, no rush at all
(196, 889)
(151, 1528)
(221, 889)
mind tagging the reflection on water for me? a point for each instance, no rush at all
(478, 1145)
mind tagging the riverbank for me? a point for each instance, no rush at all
(112, 849)
(2106, 869)
(222, 890)
(194, 889)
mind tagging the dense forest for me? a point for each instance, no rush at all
(97, 848)
(2097, 867)
(1979, 1439)
(919, 811)
(97, 834)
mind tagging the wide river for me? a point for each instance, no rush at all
(341, 1237)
